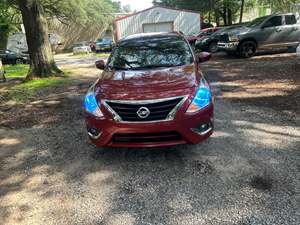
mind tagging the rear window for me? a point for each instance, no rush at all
(151, 53)
(290, 19)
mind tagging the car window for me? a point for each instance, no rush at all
(151, 53)
(274, 22)
(257, 21)
(290, 19)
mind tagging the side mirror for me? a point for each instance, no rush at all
(203, 57)
(100, 64)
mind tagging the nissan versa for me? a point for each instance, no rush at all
(150, 94)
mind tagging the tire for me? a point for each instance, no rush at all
(213, 47)
(19, 61)
(247, 49)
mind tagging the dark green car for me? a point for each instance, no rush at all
(269, 32)
(209, 43)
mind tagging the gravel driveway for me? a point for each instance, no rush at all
(248, 172)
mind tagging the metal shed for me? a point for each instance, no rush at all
(157, 19)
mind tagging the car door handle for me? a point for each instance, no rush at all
(294, 29)
(278, 30)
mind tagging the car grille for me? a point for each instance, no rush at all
(160, 109)
(146, 137)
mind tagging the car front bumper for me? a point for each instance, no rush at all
(152, 134)
(228, 46)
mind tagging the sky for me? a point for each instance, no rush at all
(137, 4)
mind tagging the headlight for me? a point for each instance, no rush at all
(233, 38)
(202, 98)
(90, 103)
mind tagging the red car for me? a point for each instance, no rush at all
(150, 94)
(205, 32)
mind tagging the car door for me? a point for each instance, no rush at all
(271, 33)
(291, 29)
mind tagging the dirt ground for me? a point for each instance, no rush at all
(248, 172)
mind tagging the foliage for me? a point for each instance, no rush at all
(9, 22)
(279, 6)
(226, 10)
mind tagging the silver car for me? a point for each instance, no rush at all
(81, 48)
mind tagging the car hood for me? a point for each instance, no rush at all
(146, 84)
(237, 30)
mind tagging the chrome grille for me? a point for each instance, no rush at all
(159, 109)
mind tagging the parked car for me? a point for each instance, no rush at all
(104, 44)
(210, 43)
(81, 48)
(151, 93)
(205, 32)
(10, 57)
(262, 33)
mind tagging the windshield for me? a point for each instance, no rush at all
(78, 45)
(151, 53)
(257, 21)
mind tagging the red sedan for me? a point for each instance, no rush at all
(150, 94)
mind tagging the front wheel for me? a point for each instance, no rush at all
(247, 49)
(19, 61)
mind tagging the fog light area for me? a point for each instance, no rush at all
(203, 129)
(93, 132)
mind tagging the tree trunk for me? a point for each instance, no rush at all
(242, 10)
(229, 17)
(217, 18)
(36, 29)
(224, 16)
(3, 37)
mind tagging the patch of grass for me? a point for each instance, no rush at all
(16, 71)
(84, 55)
(24, 91)
(103, 54)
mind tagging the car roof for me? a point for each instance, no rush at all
(150, 35)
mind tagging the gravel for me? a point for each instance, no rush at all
(246, 173)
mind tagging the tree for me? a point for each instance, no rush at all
(34, 15)
(242, 10)
(36, 29)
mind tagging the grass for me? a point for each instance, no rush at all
(24, 91)
(16, 71)
(103, 54)
(83, 55)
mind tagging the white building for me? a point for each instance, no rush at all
(17, 42)
(157, 19)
